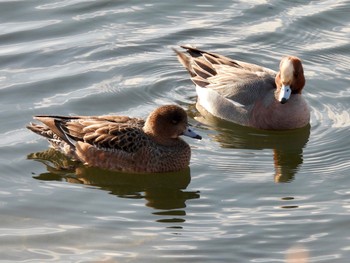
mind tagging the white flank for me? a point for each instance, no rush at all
(211, 100)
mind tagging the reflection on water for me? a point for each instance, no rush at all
(164, 191)
(287, 145)
(297, 254)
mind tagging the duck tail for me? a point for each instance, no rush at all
(185, 60)
(52, 129)
(196, 63)
(40, 130)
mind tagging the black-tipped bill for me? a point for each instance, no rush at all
(285, 93)
(190, 133)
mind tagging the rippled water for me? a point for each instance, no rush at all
(249, 196)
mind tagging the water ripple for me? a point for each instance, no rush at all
(99, 57)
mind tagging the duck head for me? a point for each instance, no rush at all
(290, 78)
(168, 122)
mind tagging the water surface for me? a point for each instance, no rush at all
(248, 195)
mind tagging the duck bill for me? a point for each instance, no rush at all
(285, 93)
(190, 133)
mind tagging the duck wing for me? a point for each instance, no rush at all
(235, 80)
(104, 132)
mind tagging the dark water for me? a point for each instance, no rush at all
(249, 196)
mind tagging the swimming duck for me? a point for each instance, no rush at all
(122, 143)
(248, 94)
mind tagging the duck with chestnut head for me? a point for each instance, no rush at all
(248, 94)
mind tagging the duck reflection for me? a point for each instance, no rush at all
(164, 191)
(287, 145)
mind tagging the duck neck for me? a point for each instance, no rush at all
(158, 138)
